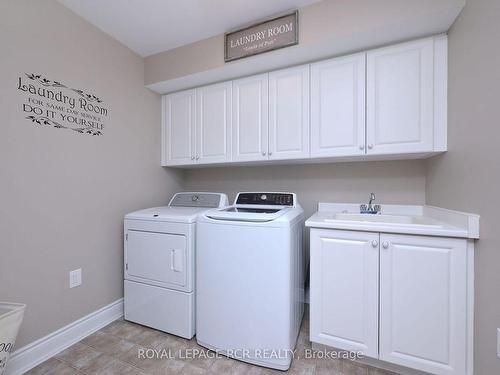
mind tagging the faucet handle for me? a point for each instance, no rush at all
(372, 196)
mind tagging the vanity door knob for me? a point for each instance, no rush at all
(263, 153)
(361, 147)
(197, 157)
(192, 157)
(370, 146)
(374, 243)
(385, 245)
(270, 153)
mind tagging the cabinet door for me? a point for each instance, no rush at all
(289, 113)
(178, 133)
(400, 98)
(344, 290)
(213, 123)
(250, 118)
(423, 303)
(338, 107)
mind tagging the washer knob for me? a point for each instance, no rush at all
(194, 198)
(263, 197)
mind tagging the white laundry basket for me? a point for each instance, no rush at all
(11, 317)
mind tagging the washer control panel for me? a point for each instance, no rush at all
(270, 199)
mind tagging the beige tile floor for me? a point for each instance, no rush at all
(114, 350)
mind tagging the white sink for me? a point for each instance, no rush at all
(382, 219)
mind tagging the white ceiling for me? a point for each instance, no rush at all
(151, 26)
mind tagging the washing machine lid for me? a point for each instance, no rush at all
(256, 207)
(248, 213)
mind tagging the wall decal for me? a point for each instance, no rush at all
(53, 104)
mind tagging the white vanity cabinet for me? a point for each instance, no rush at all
(423, 302)
(344, 290)
(399, 298)
(196, 126)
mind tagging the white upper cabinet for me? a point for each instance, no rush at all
(178, 130)
(289, 113)
(384, 103)
(344, 290)
(213, 123)
(423, 310)
(250, 118)
(400, 97)
(338, 107)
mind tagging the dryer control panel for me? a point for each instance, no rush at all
(269, 199)
(204, 200)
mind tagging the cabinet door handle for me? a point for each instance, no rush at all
(192, 157)
(370, 146)
(374, 243)
(270, 153)
(172, 259)
(361, 147)
(197, 157)
(263, 153)
(385, 245)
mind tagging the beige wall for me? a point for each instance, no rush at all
(62, 194)
(326, 28)
(398, 182)
(467, 177)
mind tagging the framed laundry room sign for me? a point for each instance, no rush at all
(264, 36)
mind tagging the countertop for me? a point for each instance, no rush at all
(403, 219)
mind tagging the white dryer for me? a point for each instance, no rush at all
(159, 254)
(250, 278)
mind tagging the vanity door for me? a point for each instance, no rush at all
(344, 290)
(423, 286)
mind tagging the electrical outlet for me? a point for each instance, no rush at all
(498, 342)
(75, 278)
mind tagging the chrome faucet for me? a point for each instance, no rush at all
(369, 209)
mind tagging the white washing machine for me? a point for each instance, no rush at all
(250, 278)
(159, 254)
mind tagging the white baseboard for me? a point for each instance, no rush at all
(31, 355)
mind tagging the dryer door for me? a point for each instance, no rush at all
(156, 258)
